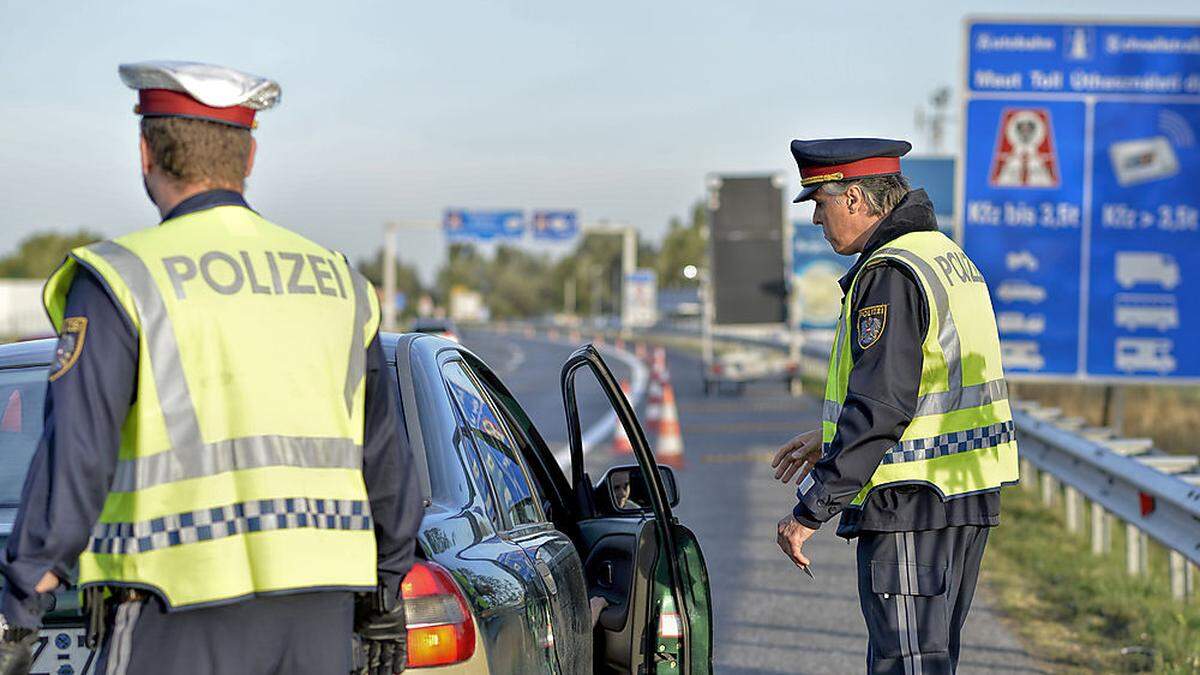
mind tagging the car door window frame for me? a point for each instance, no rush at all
(507, 527)
(539, 460)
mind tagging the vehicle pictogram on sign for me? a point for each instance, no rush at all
(1025, 156)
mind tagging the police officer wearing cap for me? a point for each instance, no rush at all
(916, 435)
(222, 451)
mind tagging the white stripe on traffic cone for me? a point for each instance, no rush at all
(660, 364)
(654, 399)
(669, 449)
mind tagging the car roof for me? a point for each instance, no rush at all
(27, 353)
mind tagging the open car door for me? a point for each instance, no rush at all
(645, 563)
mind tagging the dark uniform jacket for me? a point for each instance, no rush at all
(85, 408)
(881, 400)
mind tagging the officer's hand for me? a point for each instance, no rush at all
(49, 582)
(16, 651)
(797, 456)
(791, 538)
(384, 638)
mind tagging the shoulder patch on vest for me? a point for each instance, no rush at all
(70, 345)
(871, 322)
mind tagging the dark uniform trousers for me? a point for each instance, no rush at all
(302, 633)
(915, 589)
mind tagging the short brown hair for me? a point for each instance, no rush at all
(198, 151)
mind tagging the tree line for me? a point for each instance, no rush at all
(514, 282)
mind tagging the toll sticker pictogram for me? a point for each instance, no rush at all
(1025, 156)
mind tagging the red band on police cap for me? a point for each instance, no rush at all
(167, 103)
(871, 166)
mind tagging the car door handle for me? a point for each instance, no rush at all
(605, 575)
(547, 576)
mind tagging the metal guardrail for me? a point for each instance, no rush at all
(1156, 495)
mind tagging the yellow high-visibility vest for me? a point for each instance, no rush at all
(961, 439)
(240, 466)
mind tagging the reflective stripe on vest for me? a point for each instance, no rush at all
(190, 456)
(226, 521)
(972, 421)
(227, 475)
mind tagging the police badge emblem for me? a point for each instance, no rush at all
(871, 322)
(70, 345)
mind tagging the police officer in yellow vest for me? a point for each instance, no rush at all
(222, 451)
(916, 434)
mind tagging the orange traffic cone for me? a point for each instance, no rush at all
(599, 340)
(654, 405)
(619, 344)
(12, 413)
(660, 364)
(669, 449)
(640, 351)
(621, 444)
(575, 337)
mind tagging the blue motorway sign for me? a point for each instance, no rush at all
(1081, 194)
(462, 225)
(816, 295)
(554, 225)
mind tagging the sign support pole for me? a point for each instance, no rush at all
(389, 276)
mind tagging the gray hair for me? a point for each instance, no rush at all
(882, 193)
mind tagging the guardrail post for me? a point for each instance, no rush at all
(1073, 500)
(1135, 556)
(1178, 576)
(1189, 579)
(1029, 476)
(1101, 530)
(1049, 487)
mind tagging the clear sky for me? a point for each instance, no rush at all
(395, 111)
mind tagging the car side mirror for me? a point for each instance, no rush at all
(624, 489)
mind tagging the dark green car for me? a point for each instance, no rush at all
(513, 551)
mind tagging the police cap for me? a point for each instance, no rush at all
(199, 91)
(834, 159)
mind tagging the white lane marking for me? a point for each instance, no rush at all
(601, 430)
(518, 358)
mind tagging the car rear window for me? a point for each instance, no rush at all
(22, 394)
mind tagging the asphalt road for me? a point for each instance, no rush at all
(769, 617)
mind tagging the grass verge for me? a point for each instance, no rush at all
(1165, 413)
(1081, 612)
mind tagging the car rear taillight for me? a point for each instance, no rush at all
(440, 628)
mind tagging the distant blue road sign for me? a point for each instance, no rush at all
(816, 295)
(554, 225)
(461, 225)
(1081, 195)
